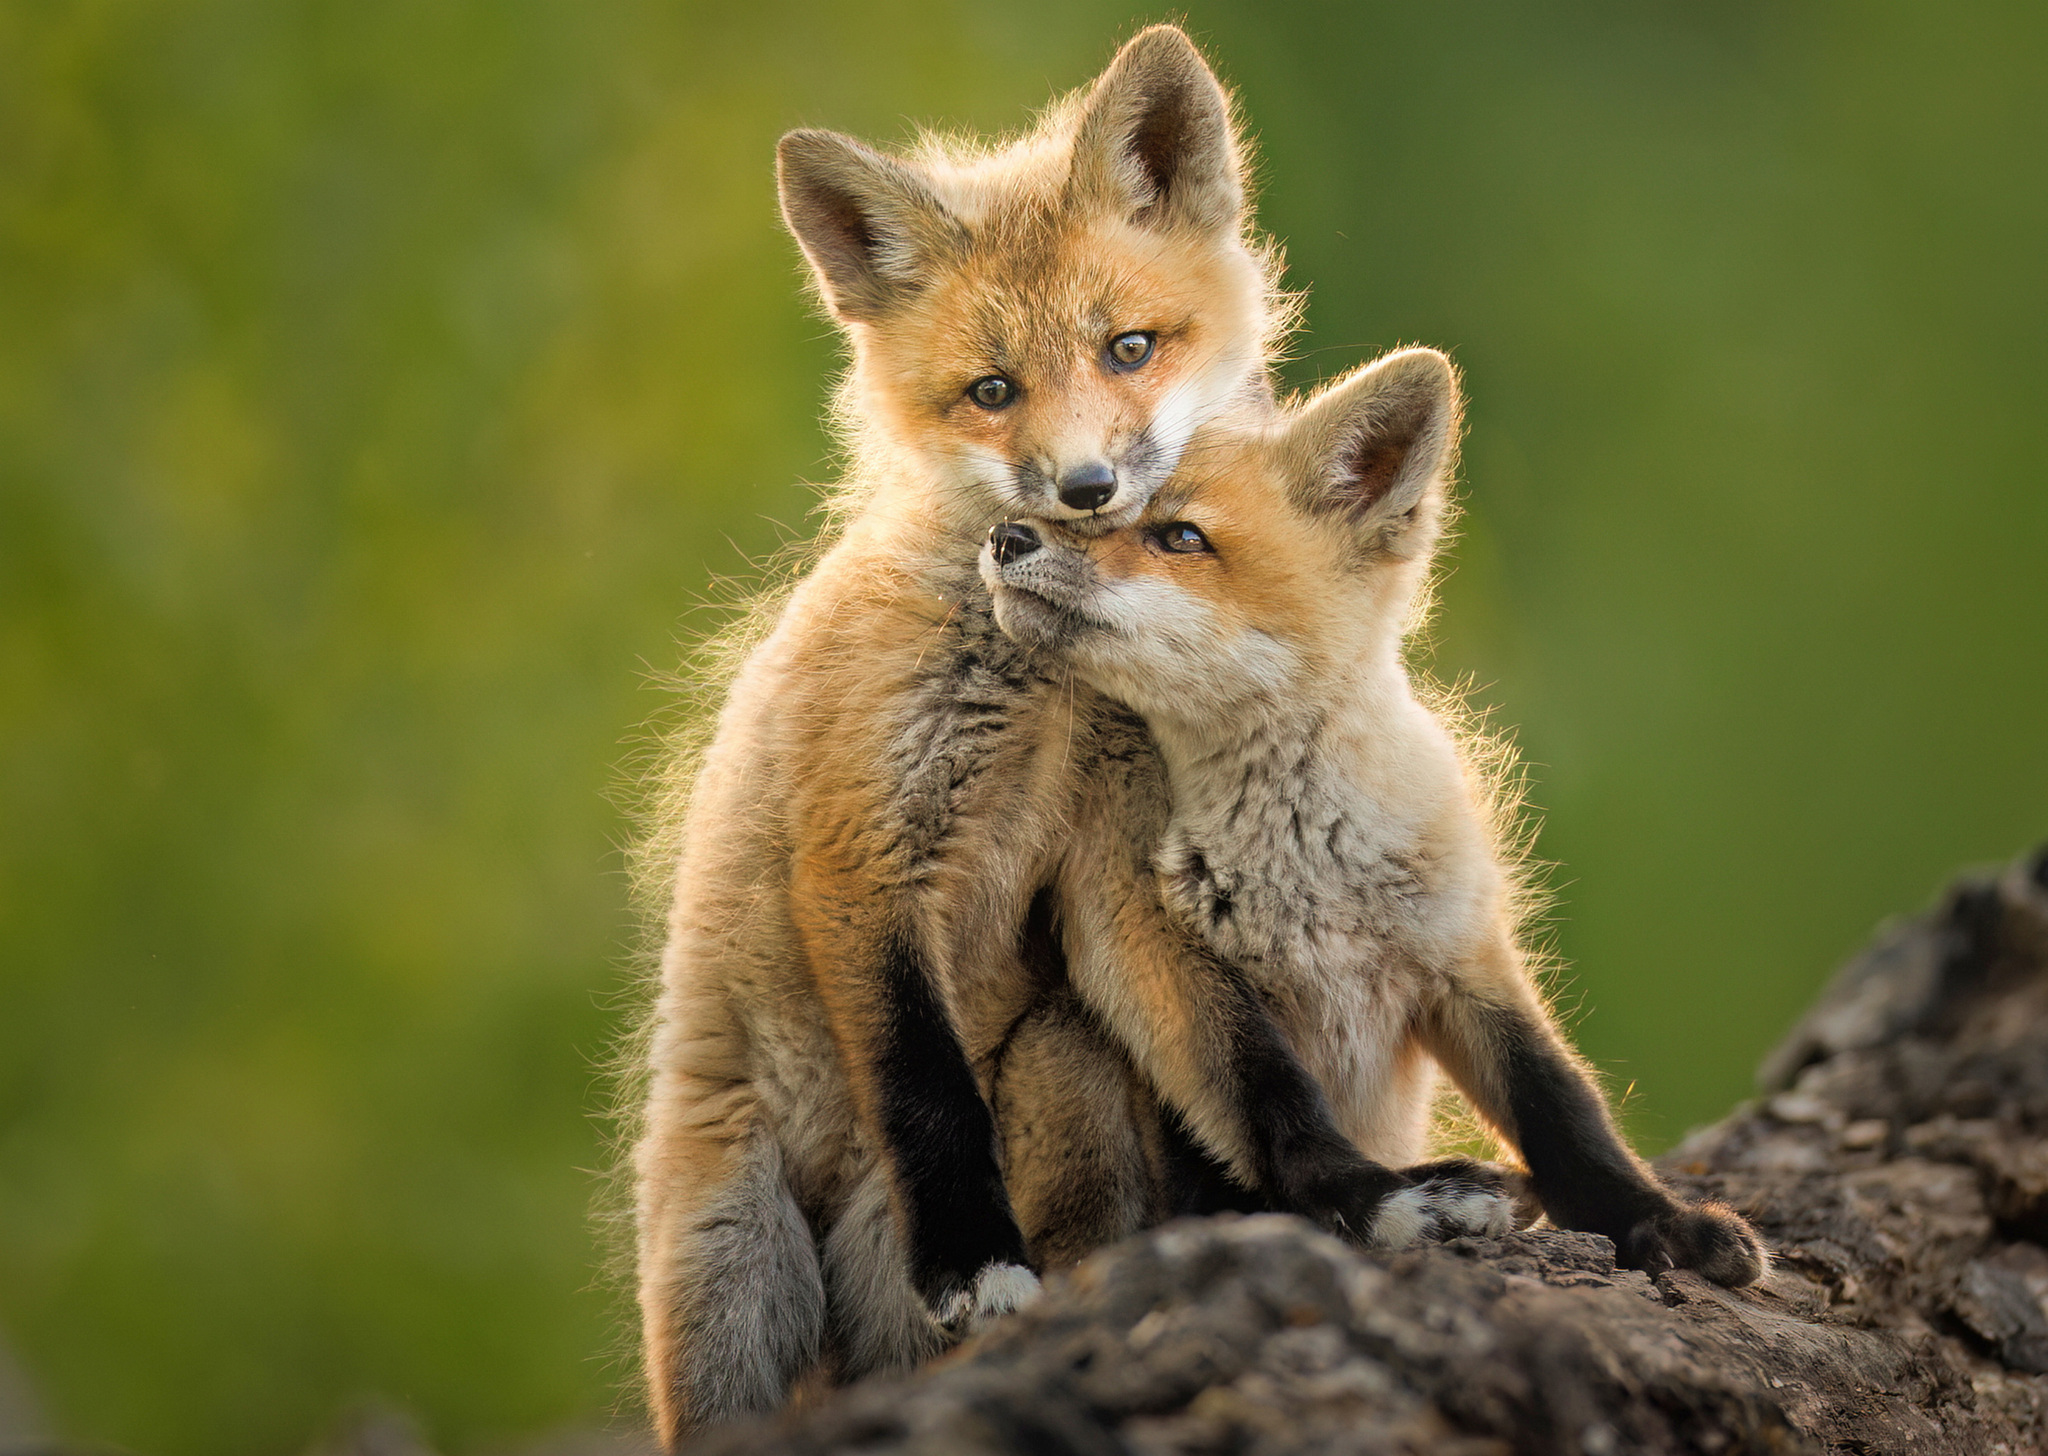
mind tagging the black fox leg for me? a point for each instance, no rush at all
(1194, 1181)
(1308, 1166)
(1515, 1067)
(966, 1254)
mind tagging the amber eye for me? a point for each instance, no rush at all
(1128, 351)
(1183, 537)
(992, 392)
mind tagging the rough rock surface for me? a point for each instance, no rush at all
(1899, 1169)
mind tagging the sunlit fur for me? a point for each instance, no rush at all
(1291, 631)
(1037, 300)
(885, 763)
(1329, 832)
(1025, 259)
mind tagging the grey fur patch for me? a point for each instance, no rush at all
(756, 1314)
(975, 689)
(878, 1322)
(1274, 863)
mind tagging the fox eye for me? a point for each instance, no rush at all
(1128, 351)
(1184, 538)
(992, 392)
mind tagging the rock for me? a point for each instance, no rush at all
(1899, 1171)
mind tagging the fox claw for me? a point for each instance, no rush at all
(1711, 1239)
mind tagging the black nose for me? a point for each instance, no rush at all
(1088, 487)
(1011, 540)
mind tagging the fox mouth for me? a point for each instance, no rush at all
(1035, 619)
(1085, 524)
(1023, 598)
(1040, 586)
(1097, 523)
(1035, 496)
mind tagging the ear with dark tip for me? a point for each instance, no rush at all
(1377, 447)
(868, 223)
(1155, 137)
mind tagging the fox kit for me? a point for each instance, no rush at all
(1327, 835)
(858, 924)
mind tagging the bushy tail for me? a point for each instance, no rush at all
(733, 1305)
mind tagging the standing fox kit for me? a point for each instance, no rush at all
(1327, 836)
(857, 926)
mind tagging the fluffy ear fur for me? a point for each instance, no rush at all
(1155, 137)
(1376, 448)
(868, 223)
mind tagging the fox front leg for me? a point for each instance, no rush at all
(1206, 1040)
(1503, 1051)
(918, 1097)
(1220, 1061)
(1309, 1166)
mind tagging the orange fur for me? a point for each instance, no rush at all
(1331, 835)
(890, 783)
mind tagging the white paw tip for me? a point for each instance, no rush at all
(1480, 1212)
(1441, 1210)
(1403, 1218)
(1000, 1289)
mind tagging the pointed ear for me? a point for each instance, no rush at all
(1155, 137)
(1377, 447)
(869, 224)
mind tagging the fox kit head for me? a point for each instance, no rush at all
(1042, 327)
(1278, 569)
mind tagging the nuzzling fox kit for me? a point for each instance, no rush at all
(1036, 329)
(1327, 835)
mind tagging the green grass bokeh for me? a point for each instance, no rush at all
(381, 384)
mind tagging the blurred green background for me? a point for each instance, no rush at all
(382, 383)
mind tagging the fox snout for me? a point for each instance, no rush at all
(1099, 493)
(1040, 580)
(1088, 487)
(1011, 541)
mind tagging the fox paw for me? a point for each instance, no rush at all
(1445, 1200)
(1711, 1239)
(1511, 1182)
(999, 1289)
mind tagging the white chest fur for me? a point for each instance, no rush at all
(1342, 873)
